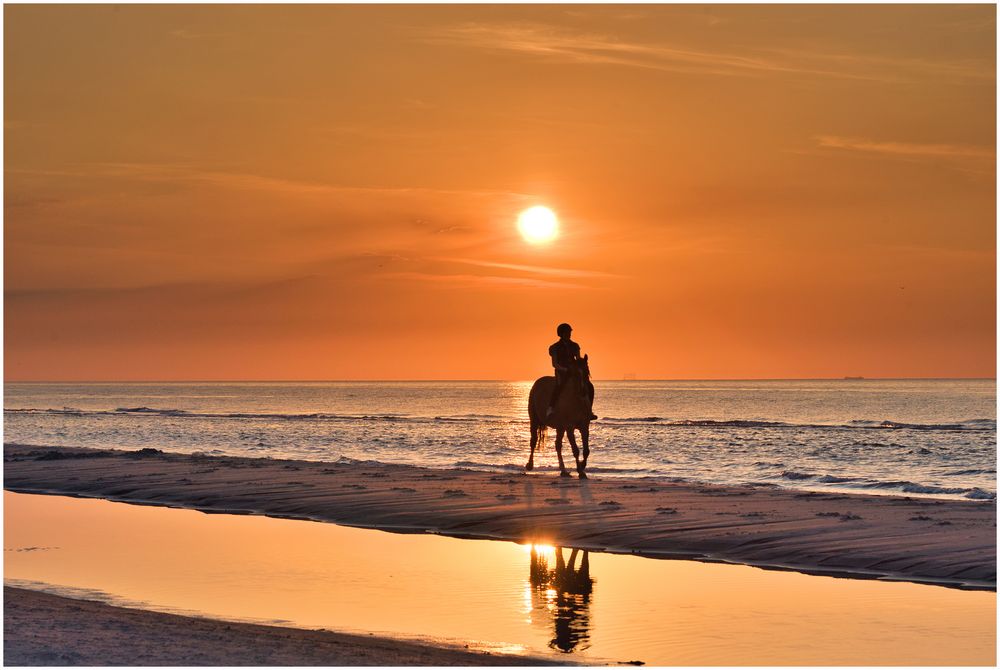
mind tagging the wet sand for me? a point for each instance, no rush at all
(44, 629)
(917, 539)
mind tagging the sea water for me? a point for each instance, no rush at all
(913, 437)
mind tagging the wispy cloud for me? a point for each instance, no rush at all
(178, 172)
(575, 47)
(27, 202)
(544, 41)
(896, 68)
(906, 149)
(472, 280)
(614, 15)
(513, 275)
(189, 288)
(532, 269)
(187, 34)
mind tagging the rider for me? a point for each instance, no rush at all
(565, 353)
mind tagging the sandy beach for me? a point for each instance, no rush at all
(915, 539)
(45, 629)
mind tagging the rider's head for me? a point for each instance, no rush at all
(564, 330)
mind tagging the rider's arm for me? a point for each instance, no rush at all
(556, 365)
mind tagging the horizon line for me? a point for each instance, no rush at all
(615, 379)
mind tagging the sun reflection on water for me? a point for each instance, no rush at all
(545, 551)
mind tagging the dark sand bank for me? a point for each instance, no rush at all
(44, 629)
(951, 542)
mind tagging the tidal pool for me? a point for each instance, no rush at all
(583, 606)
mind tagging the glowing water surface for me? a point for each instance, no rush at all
(915, 437)
(498, 595)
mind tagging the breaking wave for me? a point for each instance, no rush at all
(902, 486)
(311, 416)
(858, 424)
(973, 425)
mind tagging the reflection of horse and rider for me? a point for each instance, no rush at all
(565, 592)
(564, 402)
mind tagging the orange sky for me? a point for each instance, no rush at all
(324, 192)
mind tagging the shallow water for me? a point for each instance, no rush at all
(918, 437)
(492, 594)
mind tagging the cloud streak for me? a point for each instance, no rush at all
(471, 280)
(537, 277)
(533, 269)
(548, 42)
(167, 172)
(906, 149)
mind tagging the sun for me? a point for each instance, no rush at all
(538, 225)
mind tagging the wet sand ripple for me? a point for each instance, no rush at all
(853, 535)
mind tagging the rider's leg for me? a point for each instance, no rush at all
(590, 392)
(555, 394)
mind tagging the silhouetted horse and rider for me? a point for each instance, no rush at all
(564, 402)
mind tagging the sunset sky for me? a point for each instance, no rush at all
(332, 192)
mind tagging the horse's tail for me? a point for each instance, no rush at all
(540, 430)
(538, 427)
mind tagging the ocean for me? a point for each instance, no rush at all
(914, 437)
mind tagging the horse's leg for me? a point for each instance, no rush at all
(563, 472)
(581, 463)
(576, 450)
(534, 442)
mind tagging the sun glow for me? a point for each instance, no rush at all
(538, 225)
(546, 552)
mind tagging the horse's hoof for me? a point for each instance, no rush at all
(529, 467)
(564, 473)
(583, 475)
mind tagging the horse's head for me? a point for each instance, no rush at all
(584, 366)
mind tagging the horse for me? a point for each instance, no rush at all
(572, 412)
